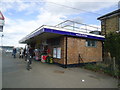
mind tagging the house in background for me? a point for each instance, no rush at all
(69, 43)
(110, 22)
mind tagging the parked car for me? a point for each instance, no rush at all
(10, 51)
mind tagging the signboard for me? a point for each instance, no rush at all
(81, 35)
(74, 34)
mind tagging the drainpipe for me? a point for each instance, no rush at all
(66, 54)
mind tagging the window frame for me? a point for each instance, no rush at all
(91, 44)
(57, 52)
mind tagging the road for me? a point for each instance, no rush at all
(44, 75)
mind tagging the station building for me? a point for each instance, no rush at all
(67, 46)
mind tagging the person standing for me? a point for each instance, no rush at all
(14, 52)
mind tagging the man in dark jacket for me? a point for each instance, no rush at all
(29, 57)
(14, 52)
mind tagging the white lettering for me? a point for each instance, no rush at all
(82, 35)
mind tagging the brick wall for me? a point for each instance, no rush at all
(111, 24)
(77, 46)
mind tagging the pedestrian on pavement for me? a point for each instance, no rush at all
(25, 53)
(21, 53)
(14, 52)
(29, 57)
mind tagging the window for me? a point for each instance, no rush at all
(57, 52)
(91, 43)
(54, 41)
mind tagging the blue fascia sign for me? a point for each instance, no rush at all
(73, 34)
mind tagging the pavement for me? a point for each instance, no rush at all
(43, 75)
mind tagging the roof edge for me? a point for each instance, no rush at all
(109, 14)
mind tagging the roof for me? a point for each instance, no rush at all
(1, 16)
(116, 12)
(50, 32)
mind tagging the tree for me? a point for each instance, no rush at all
(112, 45)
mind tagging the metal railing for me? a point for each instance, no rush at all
(75, 26)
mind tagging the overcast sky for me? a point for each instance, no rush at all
(24, 16)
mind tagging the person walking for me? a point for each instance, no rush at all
(14, 52)
(25, 53)
(29, 57)
(21, 53)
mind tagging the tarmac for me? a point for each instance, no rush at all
(43, 75)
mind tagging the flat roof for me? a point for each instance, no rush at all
(50, 30)
(116, 12)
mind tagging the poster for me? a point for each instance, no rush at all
(54, 52)
(59, 52)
